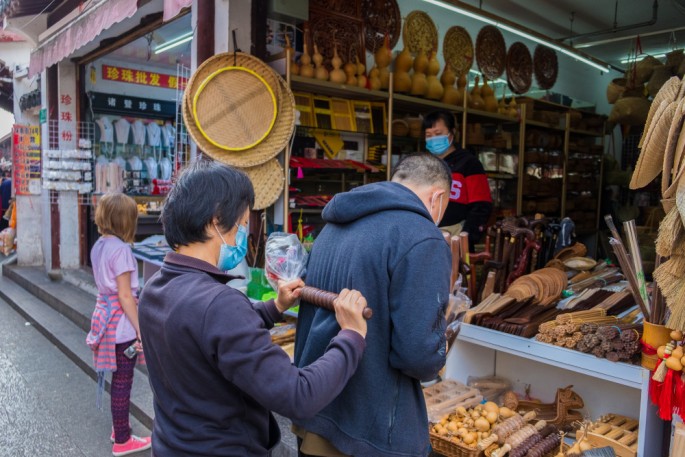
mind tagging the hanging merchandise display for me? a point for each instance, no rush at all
(545, 66)
(272, 110)
(491, 52)
(419, 33)
(519, 68)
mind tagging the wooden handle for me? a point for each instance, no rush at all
(501, 452)
(485, 443)
(325, 299)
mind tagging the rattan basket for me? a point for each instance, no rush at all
(264, 151)
(444, 446)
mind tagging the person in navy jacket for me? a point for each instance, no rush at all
(381, 239)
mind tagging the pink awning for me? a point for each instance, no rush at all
(173, 7)
(80, 32)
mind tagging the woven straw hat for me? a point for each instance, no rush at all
(267, 142)
(668, 92)
(267, 180)
(651, 160)
(674, 153)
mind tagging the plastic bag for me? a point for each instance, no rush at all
(7, 238)
(492, 387)
(459, 303)
(285, 258)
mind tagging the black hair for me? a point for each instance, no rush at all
(204, 191)
(448, 118)
(424, 170)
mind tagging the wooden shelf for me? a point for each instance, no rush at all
(586, 132)
(311, 85)
(568, 359)
(479, 116)
(407, 103)
(544, 125)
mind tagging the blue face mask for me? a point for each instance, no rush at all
(231, 256)
(437, 145)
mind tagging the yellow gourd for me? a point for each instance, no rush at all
(461, 90)
(290, 53)
(401, 79)
(350, 70)
(383, 57)
(419, 83)
(513, 110)
(502, 106)
(337, 75)
(488, 96)
(361, 73)
(450, 94)
(435, 89)
(321, 71)
(374, 79)
(403, 61)
(306, 68)
(475, 100)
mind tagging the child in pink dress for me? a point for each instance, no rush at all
(114, 325)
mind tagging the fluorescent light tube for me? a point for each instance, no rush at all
(521, 33)
(656, 56)
(186, 37)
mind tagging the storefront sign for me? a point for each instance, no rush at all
(145, 78)
(26, 159)
(43, 116)
(124, 105)
(67, 107)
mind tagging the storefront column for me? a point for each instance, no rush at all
(29, 213)
(69, 246)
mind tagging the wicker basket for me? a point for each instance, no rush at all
(445, 447)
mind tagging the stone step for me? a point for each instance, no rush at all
(71, 340)
(61, 311)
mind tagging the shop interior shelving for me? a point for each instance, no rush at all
(525, 203)
(604, 386)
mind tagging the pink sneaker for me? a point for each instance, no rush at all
(134, 444)
(111, 437)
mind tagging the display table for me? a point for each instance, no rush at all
(152, 256)
(606, 387)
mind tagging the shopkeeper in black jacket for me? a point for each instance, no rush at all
(470, 200)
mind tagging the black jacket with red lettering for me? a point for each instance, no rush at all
(470, 199)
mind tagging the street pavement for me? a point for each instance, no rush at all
(47, 404)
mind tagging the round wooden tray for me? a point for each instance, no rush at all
(491, 52)
(545, 66)
(381, 17)
(457, 49)
(419, 33)
(519, 68)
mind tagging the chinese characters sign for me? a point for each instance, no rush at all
(145, 78)
(124, 105)
(26, 159)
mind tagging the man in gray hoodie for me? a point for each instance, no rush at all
(381, 239)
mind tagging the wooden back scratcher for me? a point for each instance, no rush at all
(325, 299)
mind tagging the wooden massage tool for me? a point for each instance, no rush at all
(324, 299)
(504, 430)
(517, 439)
(527, 444)
(545, 446)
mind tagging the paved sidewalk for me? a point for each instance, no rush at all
(47, 404)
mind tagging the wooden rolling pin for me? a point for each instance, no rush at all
(324, 299)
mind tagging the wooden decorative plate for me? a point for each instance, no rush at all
(420, 33)
(381, 17)
(457, 49)
(327, 30)
(545, 66)
(491, 52)
(519, 68)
